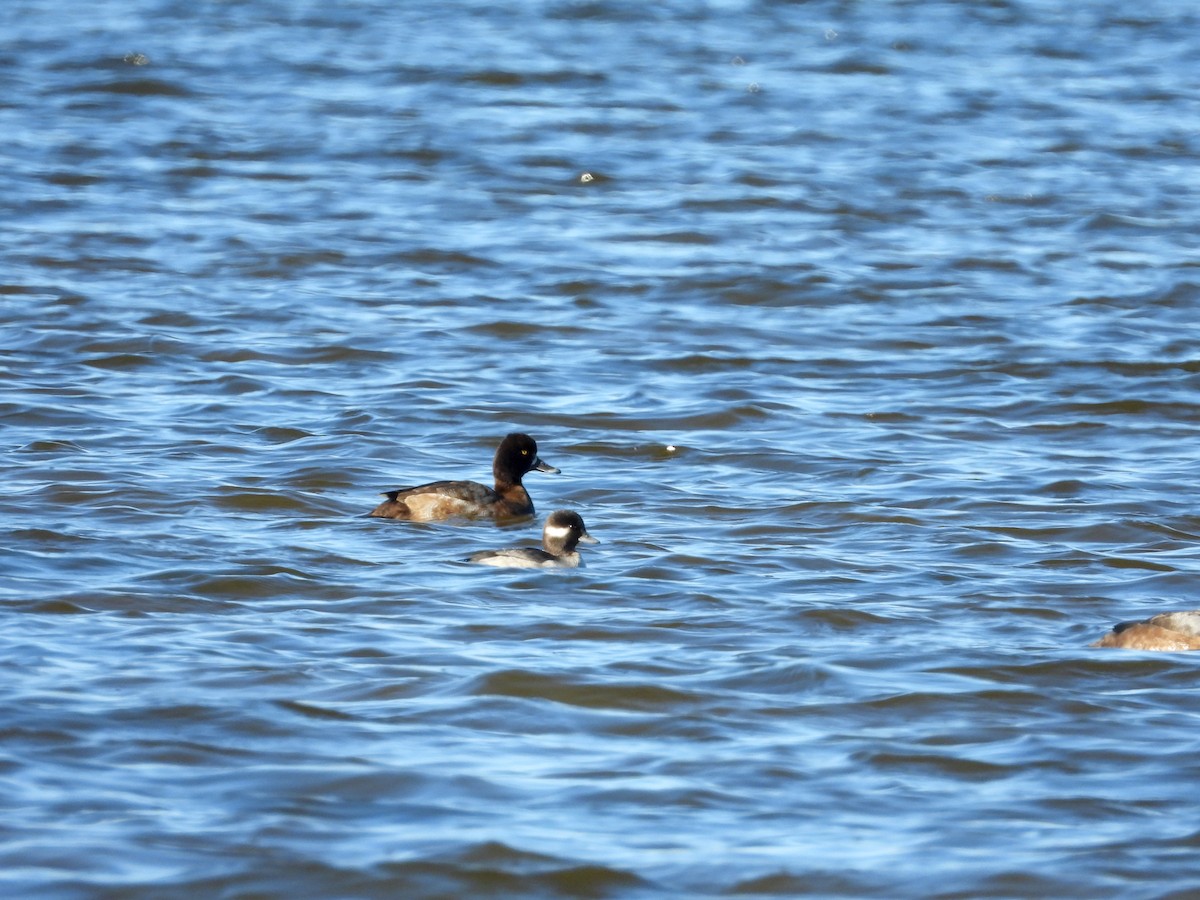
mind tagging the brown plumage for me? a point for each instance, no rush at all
(515, 457)
(1166, 631)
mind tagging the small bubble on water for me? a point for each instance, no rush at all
(753, 87)
(737, 61)
(586, 177)
(830, 34)
(137, 59)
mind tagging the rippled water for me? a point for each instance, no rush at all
(863, 334)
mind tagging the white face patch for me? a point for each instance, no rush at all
(556, 531)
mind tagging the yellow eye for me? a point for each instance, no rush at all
(524, 452)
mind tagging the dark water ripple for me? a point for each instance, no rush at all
(863, 335)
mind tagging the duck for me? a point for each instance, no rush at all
(516, 456)
(563, 530)
(1166, 631)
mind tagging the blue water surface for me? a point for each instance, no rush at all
(864, 335)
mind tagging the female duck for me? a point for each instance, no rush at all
(563, 531)
(1166, 631)
(516, 456)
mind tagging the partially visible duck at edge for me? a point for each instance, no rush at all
(1166, 631)
(516, 456)
(563, 531)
